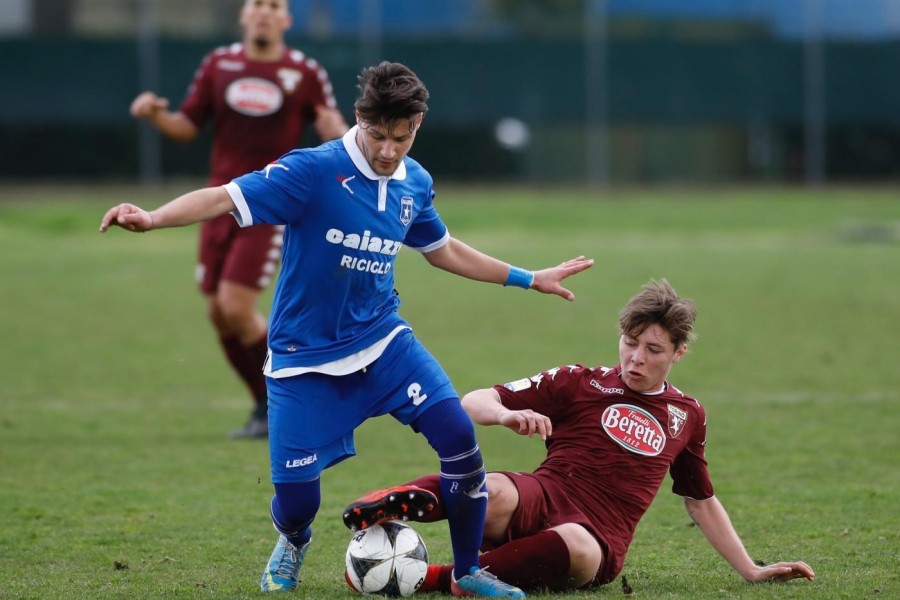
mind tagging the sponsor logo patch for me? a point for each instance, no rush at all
(634, 429)
(254, 96)
(365, 241)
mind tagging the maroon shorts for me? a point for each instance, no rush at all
(248, 256)
(542, 505)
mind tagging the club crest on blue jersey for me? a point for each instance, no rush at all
(406, 206)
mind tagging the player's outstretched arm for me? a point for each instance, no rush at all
(193, 207)
(713, 521)
(484, 407)
(461, 259)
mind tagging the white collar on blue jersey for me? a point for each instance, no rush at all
(359, 160)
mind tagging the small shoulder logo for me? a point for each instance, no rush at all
(273, 165)
(677, 419)
(518, 385)
(345, 182)
(406, 206)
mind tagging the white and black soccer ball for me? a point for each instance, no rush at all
(389, 559)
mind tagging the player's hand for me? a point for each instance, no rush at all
(147, 105)
(127, 216)
(527, 422)
(330, 123)
(548, 281)
(782, 571)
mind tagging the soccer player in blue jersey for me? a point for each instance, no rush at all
(339, 352)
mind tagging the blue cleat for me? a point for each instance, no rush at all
(481, 583)
(283, 570)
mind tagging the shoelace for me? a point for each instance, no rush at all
(487, 574)
(287, 562)
(485, 578)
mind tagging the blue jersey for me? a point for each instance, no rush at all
(344, 226)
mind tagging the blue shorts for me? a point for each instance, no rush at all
(312, 416)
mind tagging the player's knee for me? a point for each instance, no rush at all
(234, 313)
(503, 498)
(585, 553)
(237, 305)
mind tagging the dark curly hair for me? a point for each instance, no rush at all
(389, 92)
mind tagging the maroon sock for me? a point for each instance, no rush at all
(255, 359)
(248, 361)
(235, 353)
(437, 579)
(534, 562)
(537, 561)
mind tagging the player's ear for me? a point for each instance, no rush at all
(679, 354)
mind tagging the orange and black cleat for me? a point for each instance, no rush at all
(400, 503)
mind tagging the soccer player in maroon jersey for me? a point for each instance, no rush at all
(612, 434)
(259, 96)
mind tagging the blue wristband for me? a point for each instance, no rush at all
(519, 277)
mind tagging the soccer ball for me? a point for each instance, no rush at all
(389, 559)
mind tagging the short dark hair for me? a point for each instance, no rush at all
(657, 303)
(389, 92)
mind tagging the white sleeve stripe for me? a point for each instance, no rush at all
(241, 213)
(434, 246)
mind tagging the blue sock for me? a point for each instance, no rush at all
(450, 432)
(294, 506)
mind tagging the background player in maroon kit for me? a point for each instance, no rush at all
(611, 436)
(259, 95)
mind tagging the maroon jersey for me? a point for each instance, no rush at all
(611, 447)
(259, 110)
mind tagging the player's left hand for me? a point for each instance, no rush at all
(547, 281)
(782, 571)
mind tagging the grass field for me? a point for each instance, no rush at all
(117, 480)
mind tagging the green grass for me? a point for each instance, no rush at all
(116, 401)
